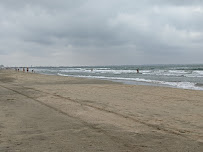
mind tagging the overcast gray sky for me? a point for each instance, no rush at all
(100, 32)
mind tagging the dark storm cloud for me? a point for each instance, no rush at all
(77, 32)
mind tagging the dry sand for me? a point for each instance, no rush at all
(51, 113)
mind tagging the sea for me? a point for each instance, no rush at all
(175, 76)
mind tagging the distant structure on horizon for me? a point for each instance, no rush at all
(1, 66)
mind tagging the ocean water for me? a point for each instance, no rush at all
(176, 76)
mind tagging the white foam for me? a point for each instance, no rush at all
(98, 70)
(195, 74)
(200, 73)
(177, 71)
(183, 85)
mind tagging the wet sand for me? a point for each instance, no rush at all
(54, 113)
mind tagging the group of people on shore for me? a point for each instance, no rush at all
(27, 69)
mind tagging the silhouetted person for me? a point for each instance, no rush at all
(137, 70)
(27, 69)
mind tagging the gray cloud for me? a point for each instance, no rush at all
(93, 32)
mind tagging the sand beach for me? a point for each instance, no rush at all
(54, 113)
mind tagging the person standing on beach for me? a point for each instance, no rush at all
(27, 69)
(23, 69)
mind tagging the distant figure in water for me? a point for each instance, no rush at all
(27, 69)
(91, 70)
(138, 71)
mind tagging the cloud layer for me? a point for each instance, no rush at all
(94, 32)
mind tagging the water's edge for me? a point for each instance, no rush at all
(175, 76)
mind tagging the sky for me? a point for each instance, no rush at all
(100, 32)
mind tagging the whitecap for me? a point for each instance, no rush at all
(183, 85)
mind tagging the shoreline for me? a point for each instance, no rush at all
(179, 76)
(129, 117)
(130, 82)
